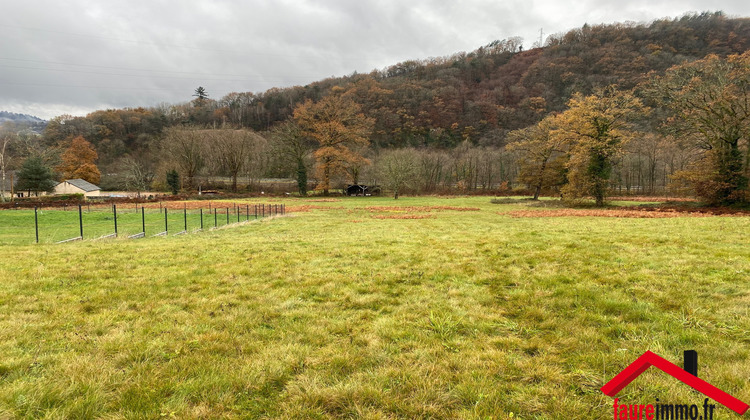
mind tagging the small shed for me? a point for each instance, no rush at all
(362, 190)
(78, 186)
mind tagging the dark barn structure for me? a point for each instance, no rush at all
(362, 190)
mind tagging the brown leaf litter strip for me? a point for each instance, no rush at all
(641, 213)
(414, 209)
(308, 207)
(403, 216)
(646, 199)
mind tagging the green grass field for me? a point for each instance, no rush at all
(17, 227)
(348, 312)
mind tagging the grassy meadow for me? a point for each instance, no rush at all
(445, 308)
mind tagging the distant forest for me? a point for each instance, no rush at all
(459, 116)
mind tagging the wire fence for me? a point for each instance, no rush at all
(75, 223)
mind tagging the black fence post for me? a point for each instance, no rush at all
(227, 215)
(690, 362)
(143, 220)
(201, 219)
(166, 223)
(216, 220)
(185, 215)
(237, 208)
(36, 224)
(80, 219)
(247, 210)
(114, 213)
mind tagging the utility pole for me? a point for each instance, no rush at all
(541, 37)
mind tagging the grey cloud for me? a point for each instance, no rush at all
(80, 55)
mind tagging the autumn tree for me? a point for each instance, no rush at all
(337, 126)
(292, 150)
(78, 161)
(542, 156)
(709, 100)
(596, 127)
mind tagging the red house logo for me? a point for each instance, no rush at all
(688, 376)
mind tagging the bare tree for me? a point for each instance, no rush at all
(186, 148)
(233, 149)
(398, 169)
(139, 173)
(6, 138)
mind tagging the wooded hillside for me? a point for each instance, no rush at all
(470, 99)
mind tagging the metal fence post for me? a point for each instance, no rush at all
(80, 219)
(247, 210)
(114, 213)
(166, 223)
(143, 220)
(227, 215)
(185, 214)
(201, 219)
(237, 208)
(36, 224)
(216, 220)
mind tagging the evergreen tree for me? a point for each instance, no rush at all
(173, 180)
(35, 176)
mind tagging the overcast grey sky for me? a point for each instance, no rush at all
(76, 56)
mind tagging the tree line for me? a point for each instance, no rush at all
(582, 115)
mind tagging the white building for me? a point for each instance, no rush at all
(78, 186)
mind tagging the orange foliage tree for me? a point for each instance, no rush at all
(338, 126)
(78, 161)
